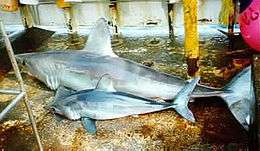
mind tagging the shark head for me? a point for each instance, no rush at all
(54, 109)
(66, 108)
(49, 67)
(43, 66)
(30, 61)
(21, 58)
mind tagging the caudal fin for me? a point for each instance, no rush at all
(240, 97)
(182, 99)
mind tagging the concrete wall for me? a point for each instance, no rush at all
(135, 13)
(141, 13)
(50, 15)
(207, 9)
(11, 17)
(88, 13)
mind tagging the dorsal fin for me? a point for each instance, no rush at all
(105, 83)
(99, 40)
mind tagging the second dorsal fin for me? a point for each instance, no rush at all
(105, 83)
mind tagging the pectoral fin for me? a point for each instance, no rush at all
(62, 93)
(89, 125)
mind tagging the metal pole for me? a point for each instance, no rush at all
(27, 16)
(20, 80)
(11, 105)
(231, 23)
(5, 91)
(113, 8)
(254, 130)
(170, 21)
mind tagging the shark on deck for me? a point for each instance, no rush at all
(81, 70)
(104, 103)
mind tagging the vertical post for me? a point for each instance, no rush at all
(22, 87)
(254, 131)
(191, 43)
(114, 14)
(69, 15)
(70, 19)
(170, 19)
(231, 23)
(27, 16)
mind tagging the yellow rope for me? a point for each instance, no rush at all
(62, 4)
(191, 43)
(227, 9)
(191, 28)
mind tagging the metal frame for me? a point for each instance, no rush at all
(21, 93)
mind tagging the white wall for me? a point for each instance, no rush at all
(88, 13)
(134, 13)
(50, 15)
(206, 9)
(139, 13)
(11, 18)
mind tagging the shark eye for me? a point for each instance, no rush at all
(23, 63)
(51, 109)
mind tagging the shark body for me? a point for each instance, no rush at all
(104, 102)
(80, 70)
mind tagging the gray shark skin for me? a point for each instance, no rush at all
(104, 102)
(80, 70)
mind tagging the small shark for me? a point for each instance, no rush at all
(104, 102)
(81, 70)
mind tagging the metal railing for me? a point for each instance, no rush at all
(21, 93)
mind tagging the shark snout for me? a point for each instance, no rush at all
(53, 109)
(20, 59)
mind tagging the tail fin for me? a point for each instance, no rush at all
(182, 99)
(240, 98)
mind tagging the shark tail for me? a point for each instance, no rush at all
(240, 97)
(182, 99)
